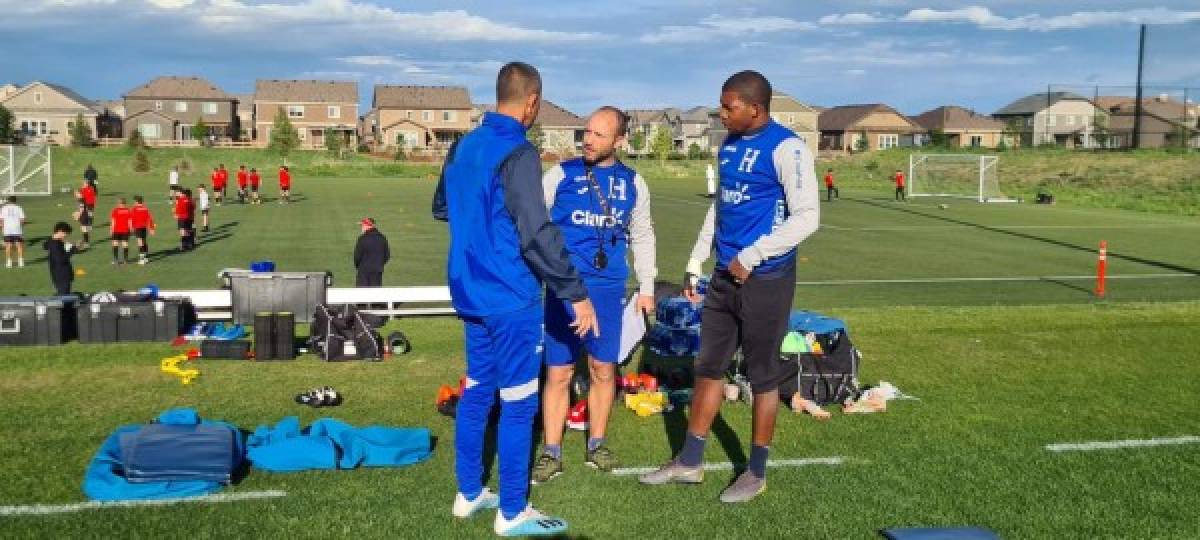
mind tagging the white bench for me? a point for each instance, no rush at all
(217, 304)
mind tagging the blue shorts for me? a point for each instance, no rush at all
(563, 346)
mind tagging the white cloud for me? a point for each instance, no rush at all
(719, 26)
(170, 4)
(851, 18)
(856, 72)
(984, 18)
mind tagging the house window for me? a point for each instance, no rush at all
(976, 141)
(888, 141)
(180, 106)
(333, 111)
(1029, 122)
(447, 116)
(426, 116)
(295, 111)
(158, 105)
(37, 98)
(210, 108)
(408, 114)
(149, 131)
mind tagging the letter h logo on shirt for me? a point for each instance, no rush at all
(748, 160)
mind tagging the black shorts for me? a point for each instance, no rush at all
(184, 223)
(85, 216)
(254, 189)
(752, 316)
(140, 233)
(120, 236)
(13, 239)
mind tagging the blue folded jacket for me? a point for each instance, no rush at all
(287, 448)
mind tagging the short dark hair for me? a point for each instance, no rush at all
(120, 200)
(138, 199)
(187, 192)
(622, 118)
(12, 198)
(516, 81)
(62, 226)
(751, 86)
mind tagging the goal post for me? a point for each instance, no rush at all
(966, 176)
(25, 170)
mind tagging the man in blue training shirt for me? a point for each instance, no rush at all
(767, 204)
(502, 248)
(603, 209)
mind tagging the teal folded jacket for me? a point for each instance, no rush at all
(287, 448)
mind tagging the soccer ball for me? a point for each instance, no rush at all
(943, 206)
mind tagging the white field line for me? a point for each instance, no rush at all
(45, 509)
(1003, 227)
(993, 279)
(725, 465)
(1128, 443)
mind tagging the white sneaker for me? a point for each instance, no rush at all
(465, 509)
(529, 522)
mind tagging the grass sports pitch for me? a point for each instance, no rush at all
(984, 312)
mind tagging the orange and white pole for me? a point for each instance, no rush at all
(1101, 264)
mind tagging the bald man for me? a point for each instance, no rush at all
(503, 247)
(603, 209)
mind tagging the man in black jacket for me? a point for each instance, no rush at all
(58, 256)
(371, 253)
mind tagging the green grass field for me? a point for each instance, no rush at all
(982, 311)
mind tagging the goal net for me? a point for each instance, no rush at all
(25, 170)
(967, 176)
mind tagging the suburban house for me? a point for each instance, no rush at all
(647, 123)
(852, 128)
(963, 128)
(312, 107)
(418, 116)
(7, 90)
(111, 119)
(1060, 118)
(562, 130)
(689, 127)
(166, 108)
(45, 113)
(798, 117)
(244, 109)
(716, 131)
(1166, 123)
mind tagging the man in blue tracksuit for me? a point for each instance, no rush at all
(766, 205)
(603, 209)
(502, 248)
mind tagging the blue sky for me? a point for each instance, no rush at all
(632, 53)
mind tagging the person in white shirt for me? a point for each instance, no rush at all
(173, 181)
(13, 218)
(202, 195)
(712, 180)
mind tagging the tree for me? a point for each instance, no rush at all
(938, 138)
(863, 143)
(637, 142)
(284, 137)
(536, 136)
(695, 152)
(400, 155)
(662, 144)
(135, 140)
(333, 141)
(81, 133)
(8, 134)
(141, 162)
(200, 131)
(1012, 130)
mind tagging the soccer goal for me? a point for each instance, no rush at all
(967, 176)
(25, 170)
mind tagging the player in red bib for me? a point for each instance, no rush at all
(255, 180)
(87, 212)
(285, 185)
(118, 227)
(831, 189)
(182, 213)
(219, 184)
(142, 223)
(243, 178)
(899, 178)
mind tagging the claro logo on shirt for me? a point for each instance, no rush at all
(735, 196)
(590, 219)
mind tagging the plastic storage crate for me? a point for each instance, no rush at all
(293, 292)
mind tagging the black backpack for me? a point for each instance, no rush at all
(333, 327)
(829, 378)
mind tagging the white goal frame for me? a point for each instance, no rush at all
(986, 164)
(23, 169)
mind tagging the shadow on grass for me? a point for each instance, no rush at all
(671, 371)
(1088, 249)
